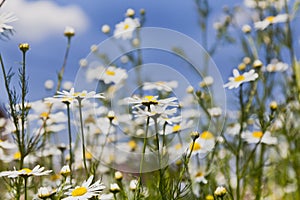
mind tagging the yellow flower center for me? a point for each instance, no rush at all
(27, 170)
(196, 147)
(178, 146)
(79, 191)
(206, 135)
(199, 174)
(147, 100)
(176, 128)
(126, 26)
(270, 19)
(44, 115)
(17, 155)
(239, 78)
(88, 155)
(257, 134)
(110, 73)
(79, 94)
(132, 144)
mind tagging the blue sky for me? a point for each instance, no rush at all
(41, 24)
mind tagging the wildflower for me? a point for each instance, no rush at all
(67, 85)
(124, 30)
(151, 100)
(238, 79)
(160, 85)
(257, 64)
(45, 192)
(133, 184)
(276, 66)
(207, 81)
(130, 12)
(69, 31)
(4, 19)
(242, 66)
(261, 25)
(136, 42)
(83, 62)
(24, 47)
(114, 188)
(258, 136)
(65, 171)
(273, 105)
(118, 175)
(215, 111)
(190, 89)
(85, 191)
(246, 28)
(72, 95)
(195, 135)
(220, 191)
(105, 29)
(113, 75)
(26, 172)
(49, 84)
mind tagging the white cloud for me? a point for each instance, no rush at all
(40, 19)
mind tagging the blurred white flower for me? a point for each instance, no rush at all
(83, 62)
(124, 30)
(261, 25)
(105, 28)
(4, 19)
(49, 84)
(207, 81)
(130, 12)
(45, 192)
(215, 111)
(160, 85)
(69, 31)
(113, 75)
(258, 136)
(26, 172)
(67, 85)
(277, 66)
(238, 79)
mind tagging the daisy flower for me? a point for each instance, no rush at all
(26, 172)
(277, 66)
(214, 111)
(258, 136)
(160, 85)
(151, 100)
(72, 95)
(261, 25)
(124, 30)
(4, 19)
(86, 190)
(45, 192)
(238, 79)
(113, 75)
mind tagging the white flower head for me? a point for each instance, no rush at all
(207, 81)
(45, 192)
(85, 191)
(258, 136)
(125, 29)
(215, 111)
(26, 172)
(261, 25)
(160, 85)
(238, 79)
(49, 84)
(105, 28)
(4, 19)
(114, 75)
(277, 66)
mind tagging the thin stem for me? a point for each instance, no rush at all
(2, 3)
(79, 99)
(137, 196)
(62, 70)
(25, 187)
(260, 175)
(70, 140)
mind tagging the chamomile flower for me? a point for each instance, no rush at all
(26, 172)
(4, 19)
(238, 79)
(258, 136)
(85, 191)
(261, 25)
(45, 192)
(72, 95)
(151, 100)
(160, 85)
(125, 29)
(215, 111)
(277, 66)
(113, 75)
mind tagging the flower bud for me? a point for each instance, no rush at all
(69, 31)
(246, 29)
(257, 64)
(105, 29)
(273, 105)
(195, 135)
(130, 12)
(118, 175)
(220, 191)
(24, 47)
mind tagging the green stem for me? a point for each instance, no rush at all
(137, 195)
(70, 140)
(79, 99)
(25, 187)
(62, 70)
(260, 175)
